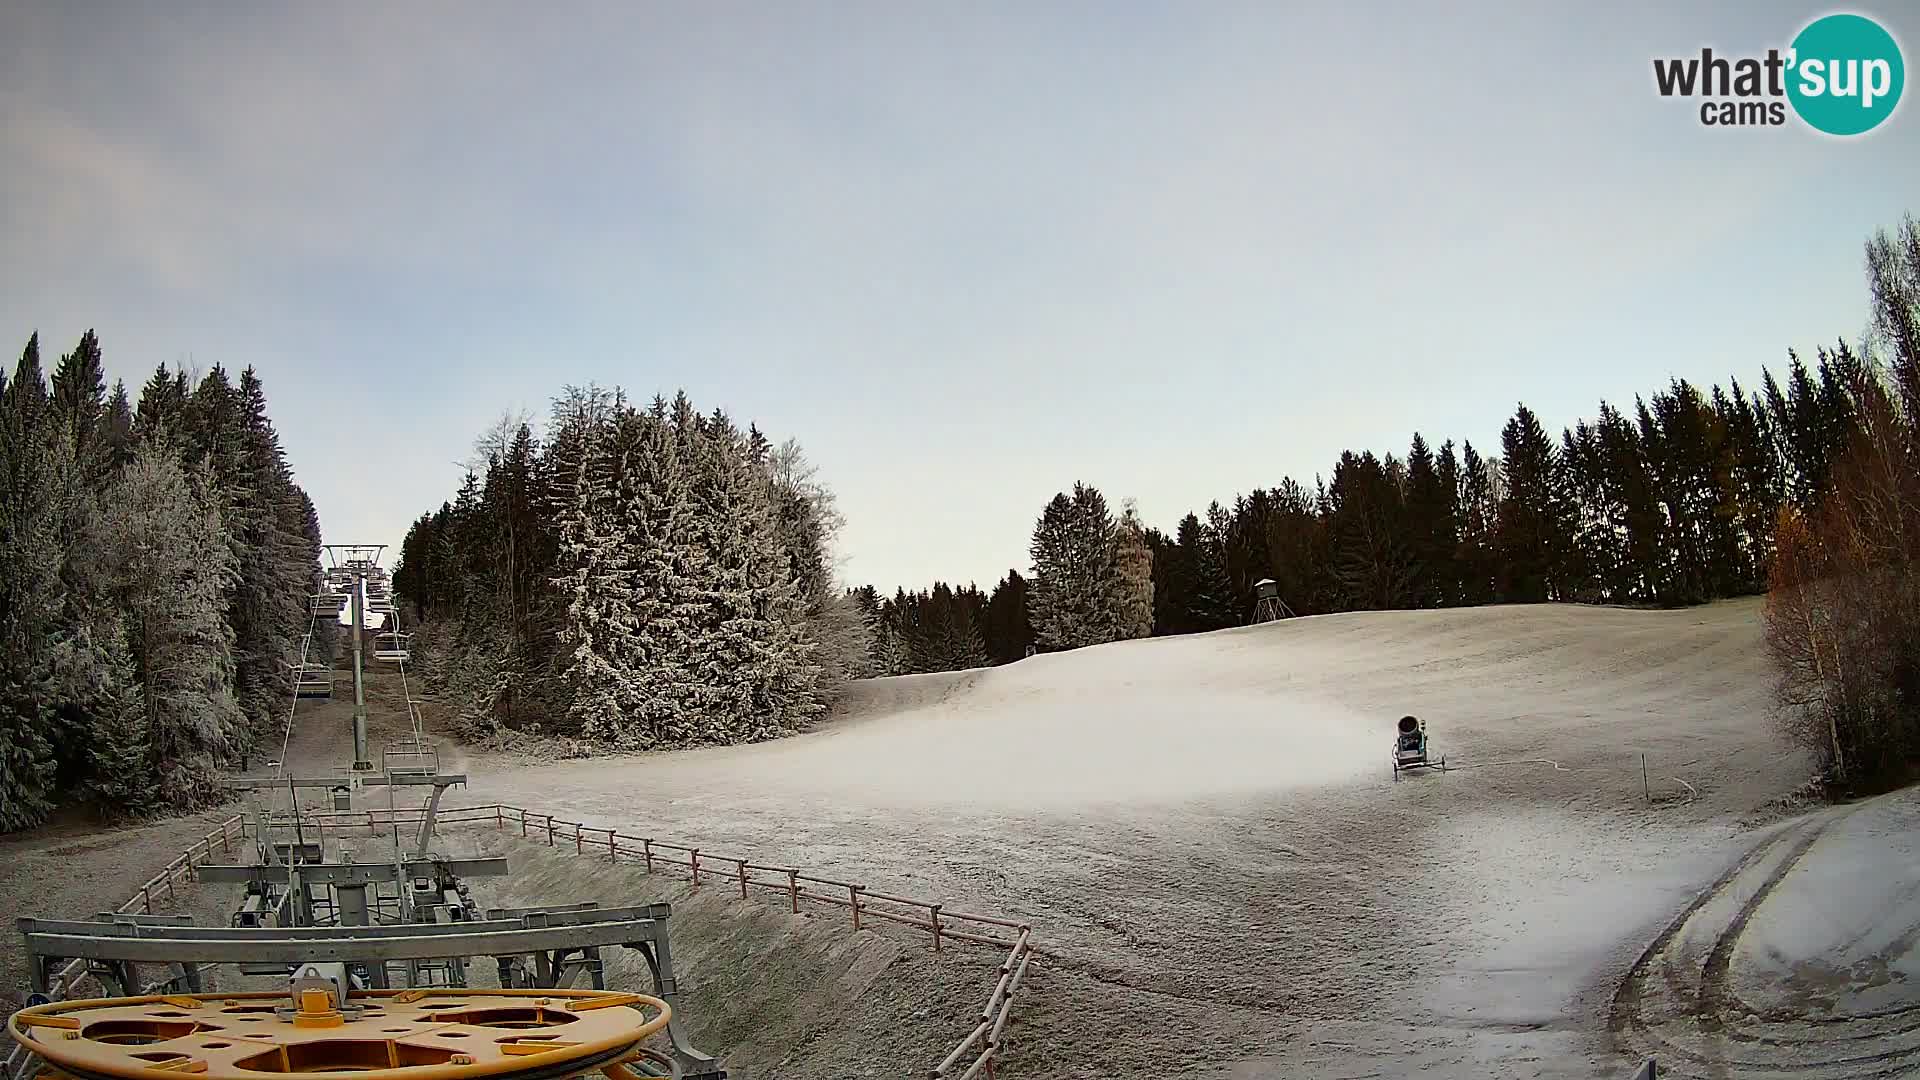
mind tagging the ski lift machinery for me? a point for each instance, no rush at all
(366, 959)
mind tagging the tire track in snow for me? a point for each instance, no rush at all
(1705, 1022)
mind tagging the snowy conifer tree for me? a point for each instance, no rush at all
(163, 543)
(755, 663)
(663, 563)
(595, 586)
(1050, 598)
(1132, 592)
(1071, 601)
(119, 742)
(33, 483)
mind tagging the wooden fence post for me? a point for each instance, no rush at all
(693, 860)
(549, 830)
(741, 865)
(793, 889)
(854, 891)
(579, 838)
(523, 823)
(934, 911)
(646, 845)
(613, 846)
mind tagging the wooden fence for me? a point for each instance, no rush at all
(706, 869)
(18, 1062)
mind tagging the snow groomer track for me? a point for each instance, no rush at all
(1796, 962)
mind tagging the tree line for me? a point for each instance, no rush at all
(1670, 502)
(654, 577)
(155, 564)
(644, 577)
(1809, 492)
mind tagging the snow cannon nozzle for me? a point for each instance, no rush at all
(1409, 724)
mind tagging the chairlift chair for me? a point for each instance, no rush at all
(391, 646)
(312, 680)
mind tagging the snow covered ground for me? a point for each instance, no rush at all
(1209, 834)
(1231, 884)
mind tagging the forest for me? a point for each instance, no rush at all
(155, 564)
(645, 576)
(1808, 492)
(1670, 502)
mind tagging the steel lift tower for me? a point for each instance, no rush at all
(354, 562)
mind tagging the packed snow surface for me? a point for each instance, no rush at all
(1208, 834)
(1229, 881)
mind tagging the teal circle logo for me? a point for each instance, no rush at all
(1846, 74)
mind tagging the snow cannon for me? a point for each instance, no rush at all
(1410, 748)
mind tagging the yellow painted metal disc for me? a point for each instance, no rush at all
(439, 1034)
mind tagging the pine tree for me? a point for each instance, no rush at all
(33, 479)
(80, 402)
(1132, 589)
(1073, 581)
(1169, 573)
(598, 628)
(165, 547)
(1296, 547)
(666, 609)
(756, 669)
(1056, 624)
(1366, 520)
(1008, 631)
(120, 742)
(1094, 577)
(1209, 592)
(1431, 528)
(1535, 526)
(1479, 509)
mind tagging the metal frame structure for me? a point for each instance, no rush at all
(355, 562)
(1410, 748)
(1268, 607)
(537, 948)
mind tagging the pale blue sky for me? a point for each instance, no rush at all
(966, 253)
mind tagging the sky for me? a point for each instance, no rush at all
(966, 254)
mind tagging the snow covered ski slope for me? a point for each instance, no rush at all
(1208, 831)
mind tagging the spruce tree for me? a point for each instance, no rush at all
(1132, 589)
(1534, 523)
(1056, 623)
(33, 481)
(1008, 631)
(120, 742)
(1209, 592)
(166, 549)
(1478, 515)
(1431, 531)
(594, 582)
(755, 664)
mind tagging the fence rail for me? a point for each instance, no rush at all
(705, 869)
(19, 1061)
